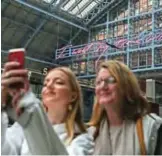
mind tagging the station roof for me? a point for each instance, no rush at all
(42, 26)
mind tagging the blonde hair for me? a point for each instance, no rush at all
(75, 115)
(134, 105)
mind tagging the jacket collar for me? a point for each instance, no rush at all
(60, 128)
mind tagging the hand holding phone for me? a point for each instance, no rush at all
(14, 80)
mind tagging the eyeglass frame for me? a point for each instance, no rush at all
(109, 80)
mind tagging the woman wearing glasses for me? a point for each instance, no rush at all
(121, 123)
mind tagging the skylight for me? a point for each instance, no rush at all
(48, 1)
(69, 4)
(54, 2)
(80, 8)
(87, 9)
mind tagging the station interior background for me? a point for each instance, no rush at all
(81, 34)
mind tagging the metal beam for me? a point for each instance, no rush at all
(79, 11)
(61, 12)
(51, 3)
(18, 23)
(32, 59)
(34, 34)
(31, 28)
(136, 71)
(98, 2)
(65, 2)
(37, 29)
(74, 37)
(50, 14)
(102, 15)
(59, 4)
(61, 38)
(84, 7)
(74, 5)
(98, 11)
(4, 6)
(99, 25)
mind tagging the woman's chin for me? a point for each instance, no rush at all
(48, 102)
(105, 102)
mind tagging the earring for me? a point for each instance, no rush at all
(70, 107)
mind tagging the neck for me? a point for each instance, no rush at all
(114, 116)
(56, 117)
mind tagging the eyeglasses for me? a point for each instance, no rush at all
(109, 80)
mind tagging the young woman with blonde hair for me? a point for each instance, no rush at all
(121, 123)
(40, 133)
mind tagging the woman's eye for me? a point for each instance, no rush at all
(59, 82)
(98, 82)
(111, 80)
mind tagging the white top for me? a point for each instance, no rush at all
(37, 136)
(122, 139)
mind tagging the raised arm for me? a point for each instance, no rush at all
(40, 136)
(11, 138)
(38, 132)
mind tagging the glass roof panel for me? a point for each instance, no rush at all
(57, 2)
(54, 2)
(83, 5)
(87, 9)
(80, 5)
(68, 5)
(48, 1)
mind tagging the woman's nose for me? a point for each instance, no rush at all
(50, 84)
(103, 85)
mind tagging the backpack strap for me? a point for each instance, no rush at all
(140, 134)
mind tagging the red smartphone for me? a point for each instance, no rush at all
(17, 55)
